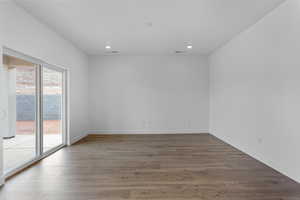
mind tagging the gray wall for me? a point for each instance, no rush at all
(153, 94)
(255, 90)
(22, 32)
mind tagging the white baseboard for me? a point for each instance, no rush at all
(77, 138)
(182, 131)
(262, 160)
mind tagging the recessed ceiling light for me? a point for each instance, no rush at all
(107, 47)
(189, 46)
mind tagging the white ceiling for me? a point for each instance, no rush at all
(148, 26)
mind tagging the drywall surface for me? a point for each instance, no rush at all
(255, 90)
(148, 94)
(23, 33)
(3, 102)
(3, 120)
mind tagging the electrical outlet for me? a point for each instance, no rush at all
(189, 124)
(146, 124)
(259, 140)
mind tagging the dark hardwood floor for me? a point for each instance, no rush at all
(160, 167)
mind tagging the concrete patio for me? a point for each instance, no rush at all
(21, 148)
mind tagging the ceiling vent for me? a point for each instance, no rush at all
(179, 52)
(113, 52)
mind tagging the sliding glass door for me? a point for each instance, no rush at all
(32, 110)
(19, 131)
(52, 108)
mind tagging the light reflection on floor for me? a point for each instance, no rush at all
(21, 148)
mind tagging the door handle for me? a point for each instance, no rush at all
(3, 114)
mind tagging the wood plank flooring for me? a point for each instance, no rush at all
(159, 167)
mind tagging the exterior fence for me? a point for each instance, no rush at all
(26, 107)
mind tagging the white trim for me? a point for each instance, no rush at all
(77, 138)
(180, 131)
(19, 54)
(54, 68)
(67, 106)
(1, 181)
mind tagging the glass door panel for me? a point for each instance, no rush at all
(18, 124)
(52, 82)
(32, 110)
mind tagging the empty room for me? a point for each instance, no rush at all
(149, 99)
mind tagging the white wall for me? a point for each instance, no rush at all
(23, 33)
(27, 35)
(255, 90)
(254, 79)
(152, 94)
(3, 120)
